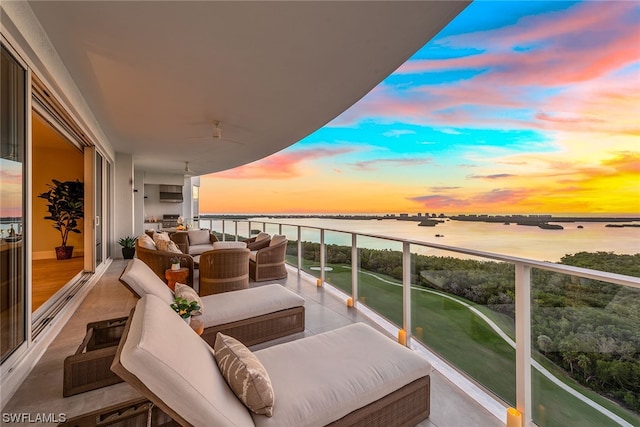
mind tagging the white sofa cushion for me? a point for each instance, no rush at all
(245, 374)
(329, 375)
(198, 237)
(182, 373)
(142, 280)
(146, 242)
(199, 249)
(246, 303)
(277, 238)
(229, 245)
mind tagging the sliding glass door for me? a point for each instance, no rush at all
(12, 204)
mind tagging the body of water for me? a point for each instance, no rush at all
(513, 240)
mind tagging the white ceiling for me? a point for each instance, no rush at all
(158, 73)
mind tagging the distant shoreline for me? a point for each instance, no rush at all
(516, 219)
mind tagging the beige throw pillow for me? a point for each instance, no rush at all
(187, 292)
(146, 242)
(159, 237)
(245, 374)
(168, 246)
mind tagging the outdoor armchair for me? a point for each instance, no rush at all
(269, 263)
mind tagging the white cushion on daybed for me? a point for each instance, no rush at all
(243, 304)
(144, 281)
(218, 308)
(191, 383)
(320, 379)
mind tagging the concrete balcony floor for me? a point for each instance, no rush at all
(41, 392)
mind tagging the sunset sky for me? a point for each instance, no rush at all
(515, 107)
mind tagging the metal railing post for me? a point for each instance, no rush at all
(323, 255)
(523, 342)
(406, 290)
(280, 229)
(299, 249)
(236, 229)
(354, 268)
(224, 235)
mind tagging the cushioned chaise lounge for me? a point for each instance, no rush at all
(349, 376)
(252, 315)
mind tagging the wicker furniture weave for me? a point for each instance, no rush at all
(148, 369)
(269, 263)
(224, 270)
(132, 413)
(160, 261)
(88, 369)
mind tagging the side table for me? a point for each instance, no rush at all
(176, 276)
(197, 325)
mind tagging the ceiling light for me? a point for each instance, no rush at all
(217, 132)
(187, 170)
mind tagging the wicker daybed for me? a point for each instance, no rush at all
(349, 376)
(252, 315)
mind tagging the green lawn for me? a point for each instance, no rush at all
(466, 341)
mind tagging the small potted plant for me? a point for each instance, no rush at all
(128, 244)
(175, 263)
(184, 308)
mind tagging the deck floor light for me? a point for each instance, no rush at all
(514, 418)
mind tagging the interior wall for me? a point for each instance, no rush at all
(124, 208)
(53, 158)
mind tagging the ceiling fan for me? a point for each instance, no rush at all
(217, 134)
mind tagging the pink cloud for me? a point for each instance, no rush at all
(281, 165)
(374, 164)
(494, 176)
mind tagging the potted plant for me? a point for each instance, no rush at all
(184, 308)
(175, 263)
(128, 246)
(66, 206)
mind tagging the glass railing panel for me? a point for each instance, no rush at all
(256, 228)
(292, 244)
(272, 228)
(229, 229)
(585, 343)
(214, 225)
(311, 251)
(243, 230)
(380, 277)
(463, 310)
(338, 260)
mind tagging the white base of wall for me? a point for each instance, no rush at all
(13, 376)
(52, 254)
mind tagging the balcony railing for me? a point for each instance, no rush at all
(507, 330)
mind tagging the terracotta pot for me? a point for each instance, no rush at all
(64, 252)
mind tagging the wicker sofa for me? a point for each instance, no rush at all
(194, 242)
(345, 377)
(159, 261)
